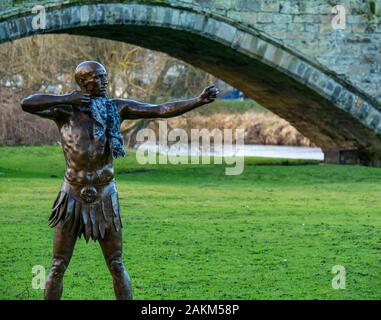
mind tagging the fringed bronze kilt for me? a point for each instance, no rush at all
(91, 210)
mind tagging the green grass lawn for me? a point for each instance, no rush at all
(274, 232)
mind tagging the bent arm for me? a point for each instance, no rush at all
(53, 106)
(42, 102)
(130, 109)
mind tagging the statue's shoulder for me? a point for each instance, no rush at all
(125, 102)
(118, 103)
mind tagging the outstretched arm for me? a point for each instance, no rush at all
(47, 105)
(130, 109)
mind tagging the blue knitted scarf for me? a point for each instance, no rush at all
(108, 122)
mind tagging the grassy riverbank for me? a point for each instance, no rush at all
(274, 232)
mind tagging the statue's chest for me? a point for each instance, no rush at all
(82, 129)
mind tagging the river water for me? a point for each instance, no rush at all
(286, 152)
(249, 150)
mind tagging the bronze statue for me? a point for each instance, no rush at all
(87, 203)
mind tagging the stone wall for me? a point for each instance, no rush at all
(353, 53)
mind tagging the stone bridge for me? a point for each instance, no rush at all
(287, 55)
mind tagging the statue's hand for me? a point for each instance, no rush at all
(209, 94)
(77, 98)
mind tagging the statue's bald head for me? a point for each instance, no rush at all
(91, 76)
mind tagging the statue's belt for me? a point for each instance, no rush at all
(89, 193)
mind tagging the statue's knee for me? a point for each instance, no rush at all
(58, 267)
(116, 266)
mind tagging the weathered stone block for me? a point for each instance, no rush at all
(187, 20)
(359, 27)
(282, 18)
(3, 32)
(54, 20)
(285, 60)
(261, 48)
(158, 16)
(175, 17)
(356, 19)
(75, 19)
(248, 5)
(99, 15)
(350, 103)
(312, 28)
(22, 26)
(306, 18)
(277, 57)
(289, 7)
(301, 69)
(293, 66)
(269, 53)
(84, 15)
(247, 18)
(278, 31)
(270, 5)
(225, 32)
(211, 27)
(200, 22)
(375, 121)
(336, 92)
(307, 74)
(265, 17)
(13, 29)
(361, 109)
(114, 14)
(245, 42)
(295, 27)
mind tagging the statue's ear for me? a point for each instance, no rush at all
(81, 80)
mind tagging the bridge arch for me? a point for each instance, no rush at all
(332, 113)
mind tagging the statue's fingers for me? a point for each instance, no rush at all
(209, 88)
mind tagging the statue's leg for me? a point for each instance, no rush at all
(112, 250)
(63, 246)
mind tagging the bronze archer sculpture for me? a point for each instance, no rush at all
(88, 204)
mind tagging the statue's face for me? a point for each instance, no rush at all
(93, 79)
(97, 82)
